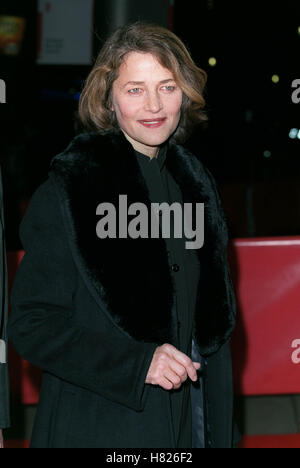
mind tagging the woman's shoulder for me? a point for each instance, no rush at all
(43, 194)
(83, 150)
(43, 209)
(72, 156)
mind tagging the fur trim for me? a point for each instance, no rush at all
(132, 276)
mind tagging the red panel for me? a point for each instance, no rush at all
(261, 441)
(266, 273)
(271, 441)
(20, 444)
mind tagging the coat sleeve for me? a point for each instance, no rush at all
(4, 380)
(43, 325)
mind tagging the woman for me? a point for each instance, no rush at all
(4, 384)
(132, 332)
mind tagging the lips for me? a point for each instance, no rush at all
(152, 123)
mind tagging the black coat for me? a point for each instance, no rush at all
(91, 312)
(4, 380)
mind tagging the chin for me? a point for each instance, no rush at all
(156, 141)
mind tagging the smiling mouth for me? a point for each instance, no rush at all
(154, 123)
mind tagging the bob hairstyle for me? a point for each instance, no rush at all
(95, 103)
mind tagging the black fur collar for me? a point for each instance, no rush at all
(131, 277)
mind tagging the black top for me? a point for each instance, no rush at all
(185, 271)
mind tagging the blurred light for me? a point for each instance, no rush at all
(299, 30)
(212, 61)
(294, 133)
(249, 116)
(12, 30)
(275, 79)
(267, 154)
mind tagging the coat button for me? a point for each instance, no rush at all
(175, 267)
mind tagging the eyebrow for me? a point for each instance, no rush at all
(143, 82)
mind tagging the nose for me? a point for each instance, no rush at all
(153, 102)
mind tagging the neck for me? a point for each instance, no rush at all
(149, 151)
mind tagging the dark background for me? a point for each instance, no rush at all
(246, 142)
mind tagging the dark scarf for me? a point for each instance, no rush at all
(131, 276)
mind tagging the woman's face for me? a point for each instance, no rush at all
(147, 102)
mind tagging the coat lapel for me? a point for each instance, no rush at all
(131, 277)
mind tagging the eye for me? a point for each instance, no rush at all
(169, 88)
(134, 90)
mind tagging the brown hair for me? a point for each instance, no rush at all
(95, 103)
